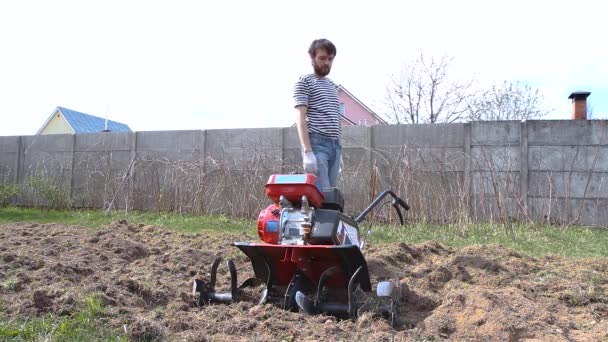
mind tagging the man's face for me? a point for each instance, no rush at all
(322, 62)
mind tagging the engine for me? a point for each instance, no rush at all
(304, 214)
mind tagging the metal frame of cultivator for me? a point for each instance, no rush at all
(314, 261)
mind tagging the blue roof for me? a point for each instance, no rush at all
(86, 123)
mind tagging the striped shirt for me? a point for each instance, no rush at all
(320, 96)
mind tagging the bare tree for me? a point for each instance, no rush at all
(509, 101)
(424, 93)
(593, 113)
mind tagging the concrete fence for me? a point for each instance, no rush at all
(540, 171)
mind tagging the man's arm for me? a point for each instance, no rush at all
(309, 162)
(302, 129)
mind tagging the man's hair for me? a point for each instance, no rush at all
(324, 44)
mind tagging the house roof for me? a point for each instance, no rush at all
(86, 123)
(380, 119)
(343, 117)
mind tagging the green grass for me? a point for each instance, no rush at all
(79, 326)
(535, 240)
(96, 219)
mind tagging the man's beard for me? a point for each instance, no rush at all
(321, 71)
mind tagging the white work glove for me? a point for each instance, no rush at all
(341, 165)
(309, 162)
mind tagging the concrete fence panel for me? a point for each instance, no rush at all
(549, 171)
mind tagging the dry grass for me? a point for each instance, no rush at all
(440, 186)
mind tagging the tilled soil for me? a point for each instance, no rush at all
(144, 277)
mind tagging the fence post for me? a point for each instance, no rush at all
(372, 170)
(523, 164)
(130, 202)
(72, 169)
(467, 170)
(18, 162)
(18, 168)
(204, 150)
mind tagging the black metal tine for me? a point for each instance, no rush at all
(233, 280)
(198, 286)
(351, 288)
(304, 303)
(214, 267)
(326, 274)
(396, 303)
(250, 282)
(288, 291)
(268, 288)
(269, 280)
(263, 297)
(254, 281)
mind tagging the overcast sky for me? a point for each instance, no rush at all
(175, 65)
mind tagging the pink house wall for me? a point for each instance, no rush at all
(355, 111)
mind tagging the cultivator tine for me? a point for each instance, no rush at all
(298, 283)
(268, 288)
(288, 296)
(216, 264)
(204, 287)
(352, 310)
(391, 291)
(234, 290)
(305, 304)
(199, 286)
(207, 289)
(313, 307)
(394, 314)
(251, 282)
(263, 297)
(326, 274)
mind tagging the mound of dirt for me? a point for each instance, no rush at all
(143, 275)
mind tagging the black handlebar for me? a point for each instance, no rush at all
(396, 202)
(403, 204)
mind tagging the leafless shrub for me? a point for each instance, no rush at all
(431, 182)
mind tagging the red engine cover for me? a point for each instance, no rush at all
(293, 187)
(268, 224)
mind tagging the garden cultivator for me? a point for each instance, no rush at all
(310, 258)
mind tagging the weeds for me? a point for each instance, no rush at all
(80, 326)
(8, 193)
(49, 195)
(10, 284)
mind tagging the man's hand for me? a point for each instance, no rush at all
(309, 162)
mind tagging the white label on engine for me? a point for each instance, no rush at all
(351, 235)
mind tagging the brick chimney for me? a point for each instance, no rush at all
(579, 104)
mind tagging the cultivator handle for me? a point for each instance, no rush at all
(396, 203)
